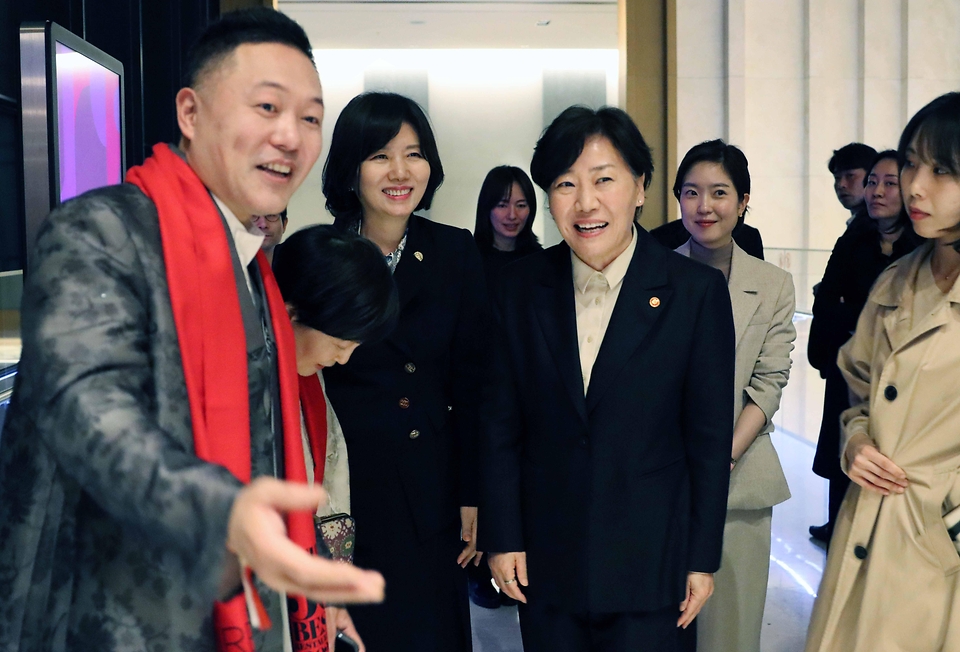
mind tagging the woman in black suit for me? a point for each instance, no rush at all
(506, 209)
(408, 404)
(862, 252)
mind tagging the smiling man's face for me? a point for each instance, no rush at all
(251, 128)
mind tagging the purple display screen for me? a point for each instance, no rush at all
(88, 122)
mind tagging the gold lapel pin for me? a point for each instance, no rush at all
(654, 302)
(418, 256)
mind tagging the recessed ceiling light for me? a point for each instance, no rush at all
(418, 21)
(543, 23)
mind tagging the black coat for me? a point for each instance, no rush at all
(672, 234)
(854, 265)
(424, 377)
(617, 495)
(408, 409)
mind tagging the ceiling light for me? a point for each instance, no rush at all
(543, 23)
(418, 21)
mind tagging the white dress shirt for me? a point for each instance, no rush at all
(596, 296)
(247, 240)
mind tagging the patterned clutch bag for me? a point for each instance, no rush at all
(338, 533)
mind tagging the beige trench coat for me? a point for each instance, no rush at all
(891, 582)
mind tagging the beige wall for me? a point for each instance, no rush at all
(789, 81)
(486, 107)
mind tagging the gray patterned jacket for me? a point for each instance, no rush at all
(111, 530)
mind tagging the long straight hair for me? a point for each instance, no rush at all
(496, 188)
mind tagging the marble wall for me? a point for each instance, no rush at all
(789, 81)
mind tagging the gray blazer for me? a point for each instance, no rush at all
(112, 531)
(763, 302)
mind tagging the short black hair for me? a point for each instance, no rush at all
(562, 143)
(236, 28)
(283, 216)
(730, 157)
(367, 123)
(854, 156)
(496, 188)
(337, 283)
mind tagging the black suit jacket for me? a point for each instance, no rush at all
(408, 404)
(672, 234)
(617, 495)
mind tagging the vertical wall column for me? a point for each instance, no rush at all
(648, 92)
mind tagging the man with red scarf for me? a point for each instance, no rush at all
(158, 378)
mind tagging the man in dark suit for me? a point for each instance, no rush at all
(605, 454)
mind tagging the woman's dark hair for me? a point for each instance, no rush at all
(366, 125)
(934, 133)
(337, 283)
(729, 157)
(562, 143)
(236, 28)
(496, 188)
(903, 219)
(936, 130)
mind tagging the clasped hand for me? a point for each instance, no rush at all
(873, 470)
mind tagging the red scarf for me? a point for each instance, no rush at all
(213, 351)
(314, 407)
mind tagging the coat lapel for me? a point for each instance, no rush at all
(557, 313)
(411, 272)
(644, 296)
(744, 291)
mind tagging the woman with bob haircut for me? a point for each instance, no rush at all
(892, 581)
(339, 294)
(506, 209)
(713, 189)
(408, 404)
(604, 462)
(864, 250)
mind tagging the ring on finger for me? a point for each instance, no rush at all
(509, 581)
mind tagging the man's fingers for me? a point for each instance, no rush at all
(476, 560)
(287, 496)
(321, 580)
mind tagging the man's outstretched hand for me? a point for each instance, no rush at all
(257, 534)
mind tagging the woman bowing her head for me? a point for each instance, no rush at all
(408, 404)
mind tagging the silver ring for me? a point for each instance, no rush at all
(509, 581)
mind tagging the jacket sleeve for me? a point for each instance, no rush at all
(772, 369)
(500, 514)
(89, 389)
(833, 318)
(708, 424)
(469, 357)
(855, 361)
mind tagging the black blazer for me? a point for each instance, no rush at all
(408, 404)
(617, 495)
(672, 234)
